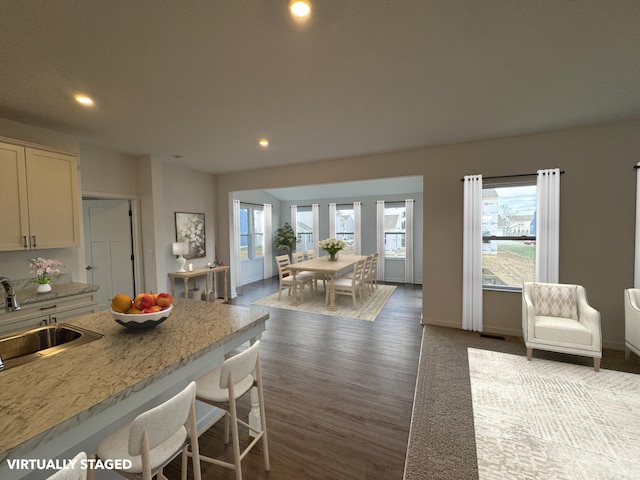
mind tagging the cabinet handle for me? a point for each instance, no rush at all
(33, 242)
(25, 241)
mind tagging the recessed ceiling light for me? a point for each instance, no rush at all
(300, 8)
(263, 142)
(84, 100)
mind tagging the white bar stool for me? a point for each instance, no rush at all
(76, 470)
(221, 388)
(154, 438)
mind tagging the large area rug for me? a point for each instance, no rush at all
(368, 310)
(547, 419)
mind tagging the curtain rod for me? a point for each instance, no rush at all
(249, 203)
(512, 176)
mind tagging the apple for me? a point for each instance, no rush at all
(164, 300)
(134, 311)
(155, 298)
(142, 301)
(153, 309)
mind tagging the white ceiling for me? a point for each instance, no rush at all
(206, 79)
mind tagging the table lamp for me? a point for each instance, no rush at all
(180, 249)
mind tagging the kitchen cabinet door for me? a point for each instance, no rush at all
(14, 216)
(40, 199)
(52, 189)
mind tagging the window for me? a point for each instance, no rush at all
(251, 232)
(345, 225)
(395, 219)
(304, 224)
(508, 235)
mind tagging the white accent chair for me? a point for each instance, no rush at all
(221, 388)
(631, 322)
(76, 470)
(155, 437)
(558, 318)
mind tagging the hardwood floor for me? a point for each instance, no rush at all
(338, 393)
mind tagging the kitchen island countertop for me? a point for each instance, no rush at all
(44, 398)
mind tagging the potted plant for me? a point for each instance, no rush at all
(285, 239)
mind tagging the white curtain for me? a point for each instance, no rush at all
(357, 216)
(408, 242)
(636, 273)
(380, 238)
(472, 254)
(332, 220)
(235, 249)
(294, 223)
(548, 226)
(315, 213)
(268, 240)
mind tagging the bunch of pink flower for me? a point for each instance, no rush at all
(45, 269)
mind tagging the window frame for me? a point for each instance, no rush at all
(402, 233)
(489, 238)
(252, 234)
(342, 235)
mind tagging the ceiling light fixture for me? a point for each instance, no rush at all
(263, 142)
(300, 8)
(84, 100)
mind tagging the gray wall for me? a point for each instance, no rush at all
(597, 212)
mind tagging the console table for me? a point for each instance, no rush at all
(201, 272)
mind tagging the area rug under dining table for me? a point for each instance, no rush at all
(547, 419)
(368, 310)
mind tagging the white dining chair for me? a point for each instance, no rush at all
(353, 285)
(285, 277)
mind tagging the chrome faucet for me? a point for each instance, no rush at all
(10, 300)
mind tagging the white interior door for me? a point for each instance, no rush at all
(108, 246)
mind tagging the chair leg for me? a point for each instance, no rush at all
(596, 364)
(226, 428)
(234, 439)
(529, 353)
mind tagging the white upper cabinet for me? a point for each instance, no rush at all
(40, 205)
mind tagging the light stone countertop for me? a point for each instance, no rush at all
(30, 295)
(41, 399)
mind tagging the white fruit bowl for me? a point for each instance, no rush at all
(142, 321)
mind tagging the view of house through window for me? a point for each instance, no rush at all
(508, 235)
(394, 231)
(304, 224)
(345, 225)
(251, 232)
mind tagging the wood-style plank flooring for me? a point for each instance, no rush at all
(338, 393)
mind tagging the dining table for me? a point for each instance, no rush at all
(324, 266)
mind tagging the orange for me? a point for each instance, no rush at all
(121, 303)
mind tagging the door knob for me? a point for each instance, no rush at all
(88, 267)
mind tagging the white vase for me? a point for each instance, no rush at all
(43, 288)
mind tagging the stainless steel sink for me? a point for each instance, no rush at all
(25, 347)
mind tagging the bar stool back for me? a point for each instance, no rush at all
(154, 437)
(76, 470)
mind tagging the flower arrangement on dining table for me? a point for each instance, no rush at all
(332, 246)
(45, 269)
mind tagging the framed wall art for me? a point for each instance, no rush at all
(190, 228)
